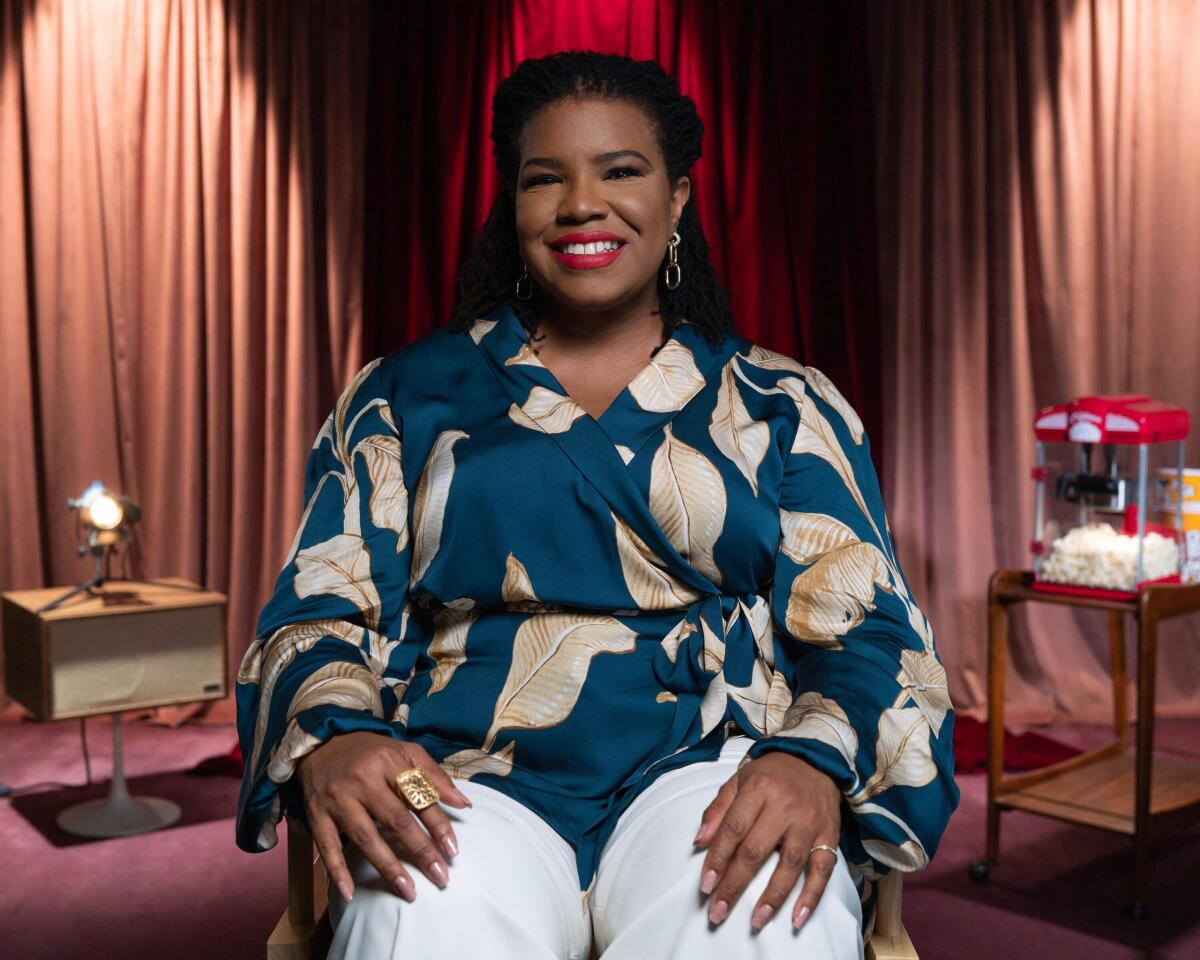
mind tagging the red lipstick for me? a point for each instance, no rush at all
(586, 261)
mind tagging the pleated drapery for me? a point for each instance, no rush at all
(1039, 225)
(214, 211)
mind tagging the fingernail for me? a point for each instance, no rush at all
(699, 834)
(450, 845)
(463, 797)
(708, 882)
(404, 889)
(346, 890)
(798, 922)
(719, 911)
(761, 915)
(438, 871)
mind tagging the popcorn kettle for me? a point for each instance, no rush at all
(1099, 462)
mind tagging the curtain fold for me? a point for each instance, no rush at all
(184, 276)
(1039, 226)
(216, 210)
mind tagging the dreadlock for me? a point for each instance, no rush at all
(489, 275)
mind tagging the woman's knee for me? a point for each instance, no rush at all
(512, 890)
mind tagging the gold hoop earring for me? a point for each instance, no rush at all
(528, 294)
(675, 278)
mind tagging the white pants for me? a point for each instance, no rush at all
(514, 890)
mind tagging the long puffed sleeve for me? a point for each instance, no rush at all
(869, 701)
(329, 656)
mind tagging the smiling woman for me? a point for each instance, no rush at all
(640, 628)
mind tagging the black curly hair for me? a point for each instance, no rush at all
(489, 275)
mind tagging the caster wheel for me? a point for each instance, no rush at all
(1136, 909)
(980, 869)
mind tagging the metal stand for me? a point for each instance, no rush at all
(97, 581)
(118, 814)
(85, 587)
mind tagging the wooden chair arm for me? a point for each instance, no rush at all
(889, 940)
(303, 932)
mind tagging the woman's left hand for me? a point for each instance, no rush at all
(776, 800)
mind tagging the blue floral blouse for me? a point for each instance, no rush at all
(565, 607)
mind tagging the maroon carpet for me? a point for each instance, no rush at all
(188, 893)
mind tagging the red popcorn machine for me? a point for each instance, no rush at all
(1102, 464)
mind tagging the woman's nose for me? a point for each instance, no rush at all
(581, 201)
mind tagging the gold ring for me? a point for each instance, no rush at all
(823, 846)
(416, 789)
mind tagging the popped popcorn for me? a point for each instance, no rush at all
(1096, 555)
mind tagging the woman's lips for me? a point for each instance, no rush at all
(587, 261)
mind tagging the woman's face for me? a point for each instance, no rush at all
(592, 172)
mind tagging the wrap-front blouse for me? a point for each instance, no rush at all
(565, 607)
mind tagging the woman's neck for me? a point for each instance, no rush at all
(621, 329)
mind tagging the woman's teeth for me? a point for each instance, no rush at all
(578, 249)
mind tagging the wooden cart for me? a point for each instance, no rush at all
(1113, 787)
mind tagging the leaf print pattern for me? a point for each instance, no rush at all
(651, 587)
(334, 428)
(687, 497)
(481, 328)
(753, 699)
(714, 705)
(469, 763)
(449, 644)
(819, 718)
(669, 381)
(433, 492)
(834, 595)
(517, 585)
(341, 567)
(266, 660)
(295, 744)
(546, 410)
(388, 503)
(525, 355)
(435, 628)
(779, 702)
(551, 656)
(809, 536)
(909, 855)
(344, 684)
(678, 633)
(902, 753)
(739, 436)
(758, 615)
(924, 679)
(816, 436)
(817, 382)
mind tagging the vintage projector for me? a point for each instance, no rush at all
(1101, 462)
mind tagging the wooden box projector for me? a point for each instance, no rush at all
(127, 646)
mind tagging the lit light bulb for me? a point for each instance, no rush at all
(106, 513)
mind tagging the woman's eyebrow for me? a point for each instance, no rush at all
(601, 158)
(617, 154)
(543, 162)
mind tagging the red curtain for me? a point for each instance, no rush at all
(214, 211)
(783, 189)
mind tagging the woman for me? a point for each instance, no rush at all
(639, 624)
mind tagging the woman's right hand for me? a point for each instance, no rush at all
(347, 786)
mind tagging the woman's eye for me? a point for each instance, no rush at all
(629, 171)
(535, 181)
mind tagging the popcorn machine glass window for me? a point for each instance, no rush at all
(1105, 468)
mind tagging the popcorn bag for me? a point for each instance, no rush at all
(1169, 504)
